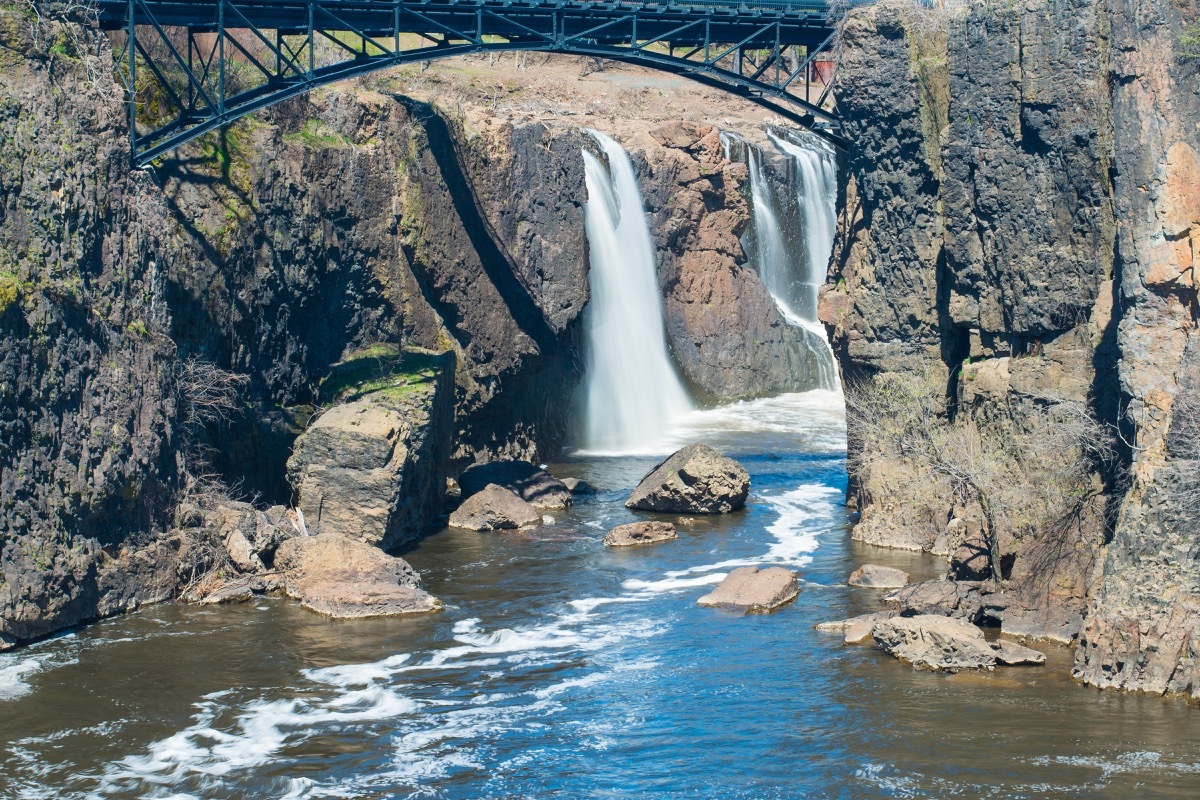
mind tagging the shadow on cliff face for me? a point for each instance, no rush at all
(500, 269)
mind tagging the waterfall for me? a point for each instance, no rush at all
(631, 390)
(791, 234)
(817, 193)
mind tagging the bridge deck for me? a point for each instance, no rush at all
(186, 45)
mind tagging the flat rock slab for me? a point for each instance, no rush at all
(494, 509)
(694, 480)
(873, 576)
(1060, 625)
(753, 589)
(346, 578)
(1012, 654)
(935, 643)
(533, 485)
(636, 533)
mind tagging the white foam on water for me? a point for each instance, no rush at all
(672, 584)
(13, 672)
(794, 533)
(254, 739)
(818, 417)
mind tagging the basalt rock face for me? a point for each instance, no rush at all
(87, 393)
(348, 218)
(1142, 627)
(1017, 223)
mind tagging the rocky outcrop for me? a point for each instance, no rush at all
(89, 412)
(1017, 226)
(346, 579)
(873, 576)
(694, 480)
(494, 508)
(636, 533)
(753, 589)
(1141, 628)
(533, 485)
(374, 468)
(935, 643)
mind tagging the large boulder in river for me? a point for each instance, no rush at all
(345, 578)
(753, 589)
(374, 468)
(494, 509)
(533, 485)
(873, 576)
(636, 533)
(935, 643)
(694, 480)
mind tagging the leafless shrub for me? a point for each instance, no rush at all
(1183, 443)
(210, 394)
(1030, 470)
(69, 30)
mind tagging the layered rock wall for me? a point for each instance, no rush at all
(1016, 222)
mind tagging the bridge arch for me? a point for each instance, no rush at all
(211, 62)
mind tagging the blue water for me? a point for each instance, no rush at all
(562, 669)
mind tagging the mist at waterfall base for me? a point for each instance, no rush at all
(632, 393)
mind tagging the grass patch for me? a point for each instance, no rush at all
(10, 291)
(315, 133)
(381, 368)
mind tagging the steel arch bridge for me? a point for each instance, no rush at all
(191, 66)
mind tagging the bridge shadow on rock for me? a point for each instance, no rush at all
(496, 263)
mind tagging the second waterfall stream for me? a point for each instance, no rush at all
(632, 393)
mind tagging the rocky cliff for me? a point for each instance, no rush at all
(1015, 231)
(168, 333)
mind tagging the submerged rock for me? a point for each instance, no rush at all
(640, 533)
(753, 589)
(493, 509)
(873, 576)
(346, 578)
(694, 480)
(935, 643)
(533, 485)
(578, 486)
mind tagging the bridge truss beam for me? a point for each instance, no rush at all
(192, 67)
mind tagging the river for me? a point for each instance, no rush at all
(563, 669)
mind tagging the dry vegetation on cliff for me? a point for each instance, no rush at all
(1018, 476)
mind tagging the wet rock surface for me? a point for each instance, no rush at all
(694, 480)
(638, 533)
(344, 578)
(753, 589)
(494, 509)
(533, 485)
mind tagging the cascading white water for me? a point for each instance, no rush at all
(793, 267)
(816, 192)
(631, 390)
